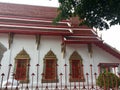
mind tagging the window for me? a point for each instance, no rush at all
(21, 66)
(21, 70)
(76, 68)
(50, 68)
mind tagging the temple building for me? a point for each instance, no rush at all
(36, 54)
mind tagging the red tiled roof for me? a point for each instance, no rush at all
(27, 19)
(15, 18)
(27, 10)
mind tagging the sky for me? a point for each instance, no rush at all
(110, 36)
(52, 3)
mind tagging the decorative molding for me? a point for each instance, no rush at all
(75, 56)
(10, 39)
(108, 64)
(22, 55)
(77, 80)
(38, 40)
(63, 49)
(90, 51)
(50, 55)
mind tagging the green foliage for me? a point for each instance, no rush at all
(95, 13)
(108, 80)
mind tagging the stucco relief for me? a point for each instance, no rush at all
(2, 50)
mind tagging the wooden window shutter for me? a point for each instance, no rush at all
(75, 69)
(21, 70)
(50, 69)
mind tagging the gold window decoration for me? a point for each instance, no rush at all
(22, 61)
(76, 68)
(50, 68)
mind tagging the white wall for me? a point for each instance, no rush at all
(53, 43)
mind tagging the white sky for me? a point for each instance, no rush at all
(110, 36)
(52, 3)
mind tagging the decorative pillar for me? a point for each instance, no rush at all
(38, 40)
(10, 39)
(90, 51)
(63, 49)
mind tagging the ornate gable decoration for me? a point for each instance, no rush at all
(49, 55)
(22, 55)
(75, 56)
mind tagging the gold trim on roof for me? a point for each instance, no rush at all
(22, 55)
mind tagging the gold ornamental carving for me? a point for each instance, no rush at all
(22, 55)
(50, 54)
(75, 56)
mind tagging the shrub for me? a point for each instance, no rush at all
(108, 80)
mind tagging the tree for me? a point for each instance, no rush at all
(94, 13)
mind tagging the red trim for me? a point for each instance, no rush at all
(40, 24)
(78, 29)
(109, 49)
(31, 21)
(108, 64)
(9, 12)
(81, 42)
(76, 69)
(21, 70)
(50, 70)
(28, 17)
(30, 32)
(84, 32)
(83, 38)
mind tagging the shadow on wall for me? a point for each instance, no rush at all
(2, 50)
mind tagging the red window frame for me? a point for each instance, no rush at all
(50, 71)
(21, 69)
(75, 69)
(50, 68)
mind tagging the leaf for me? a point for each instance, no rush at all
(94, 12)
